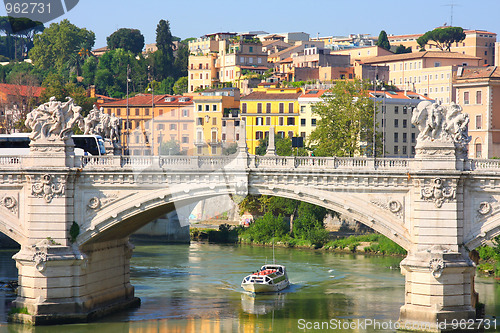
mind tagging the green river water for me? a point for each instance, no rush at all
(196, 288)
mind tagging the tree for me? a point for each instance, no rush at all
(181, 86)
(442, 38)
(346, 120)
(127, 39)
(402, 49)
(171, 147)
(283, 147)
(163, 59)
(54, 47)
(55, 86)
(181, 61)
(383, 41)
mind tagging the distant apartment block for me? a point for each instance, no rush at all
(428, 73)
(149, 121)
(477, 43)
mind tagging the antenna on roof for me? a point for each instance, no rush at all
(451, 8)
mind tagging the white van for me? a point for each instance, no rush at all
(19, 144)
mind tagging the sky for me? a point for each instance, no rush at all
(195, 18)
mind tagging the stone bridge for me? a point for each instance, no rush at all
(73, 217)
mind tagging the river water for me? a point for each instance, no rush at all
(196, 288)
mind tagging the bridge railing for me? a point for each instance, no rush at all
(484, 164)
(12, 161)
(299, 162)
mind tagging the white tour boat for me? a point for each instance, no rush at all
(270, 278)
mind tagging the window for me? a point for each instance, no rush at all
(172, 113)
(259, 107)
(268, 107)
(479, 121)
(118, 112)
(478, 148)
(396, 137)
(199, 121)
(201, 76)
(313, 122)
(250, 49)
(268, 121)
(280, 121)
(405, 123)
(207, 107)
(259, 121)
(185, 139)
(396, 123)
(244, 108)
(223, 123)
(405, 150)
(396, 150)
(281, 134)
(259, 135)
(200, 107)
(282, 107)
(413, 140)
(214, 121)
(466, 97)
(223, 136)
(185, 113)
(396, 109)
(160, 127)
(290, 134)
(437, 64)
(137, 112)
(478, 97)
(404, 138)
(303, 134)
(173, 127)
(302, 122)
(405, 109)
(184, 127)
(290, 107)
(290, 121)
(214, 107)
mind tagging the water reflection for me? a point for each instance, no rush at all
(196, 288)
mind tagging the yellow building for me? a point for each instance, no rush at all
(201, 71)
(428, 73)
(361, 53)
(210, 107)
(477, 43)
(270, 107)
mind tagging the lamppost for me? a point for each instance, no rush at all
(383, 123)
(374, 114)
(152, 109)
(127, 146)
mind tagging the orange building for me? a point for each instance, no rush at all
(15, 102)
(478, 92)
(154, 121)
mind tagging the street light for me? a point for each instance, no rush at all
(127, 146)
(152, 110)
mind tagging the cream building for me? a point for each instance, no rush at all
(478, 92)
(428, 73)
(477, 43)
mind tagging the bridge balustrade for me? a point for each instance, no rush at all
(484, 164)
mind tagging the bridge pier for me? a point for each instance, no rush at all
(438, 289)
(63, 284)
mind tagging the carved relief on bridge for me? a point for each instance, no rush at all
(101, 200)
(394, 206)
(438, 192)
(47, 187)
(10, 202)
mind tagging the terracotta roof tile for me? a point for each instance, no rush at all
(20, 90)
(144, 100)
(261, 95)
(479, 73)
(418, 55)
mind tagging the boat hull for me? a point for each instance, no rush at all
(265, 288)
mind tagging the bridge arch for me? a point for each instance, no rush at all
(11, 227)
(141, 208)
(484, 231)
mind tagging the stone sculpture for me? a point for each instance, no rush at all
(442, 123)
(99, 123)
(54, 120)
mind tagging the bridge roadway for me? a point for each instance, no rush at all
(73, 217)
